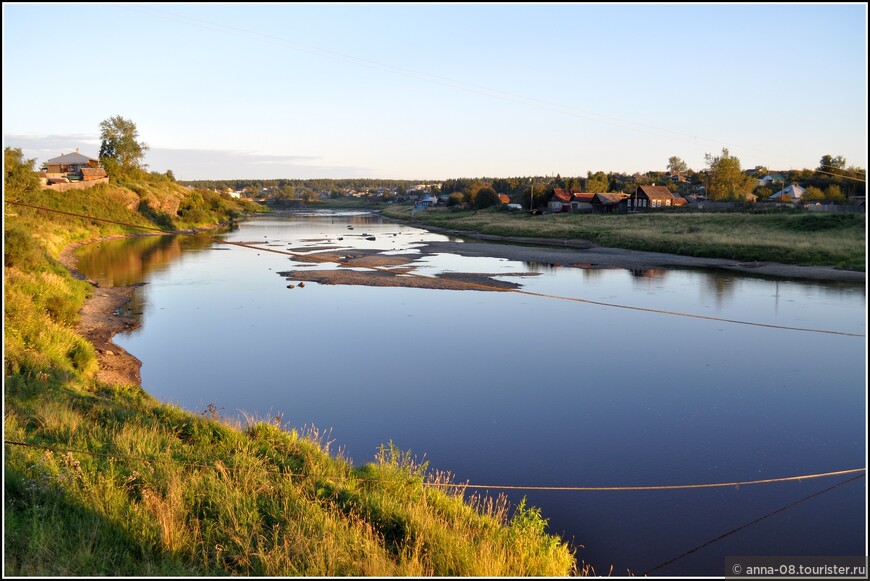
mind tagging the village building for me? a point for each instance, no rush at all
(560, 201)
(72, 171)
(792, 193)
(646, 197)
(610, 202)
(582, 201)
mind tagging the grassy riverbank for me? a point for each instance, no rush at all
(112, 482)
(790, 237)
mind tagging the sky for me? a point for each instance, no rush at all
(439, 91)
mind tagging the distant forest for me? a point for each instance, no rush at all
(319, 185)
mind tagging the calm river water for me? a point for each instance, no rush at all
(512, 389)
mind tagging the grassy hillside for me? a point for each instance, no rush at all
(791, 237)
(112, 482)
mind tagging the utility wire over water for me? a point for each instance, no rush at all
(735, 484)
(709, 530)
(469, 284)
(859, 473)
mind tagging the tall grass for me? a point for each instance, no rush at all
(791, 237)
(112, 482)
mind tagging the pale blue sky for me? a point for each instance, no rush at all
(434, 91)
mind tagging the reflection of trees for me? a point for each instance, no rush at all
(648, 273)
(128, 261)
(542, 266)
(721, 285)
(136, 306)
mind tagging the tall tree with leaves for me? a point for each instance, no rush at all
(829, 163)
(120, 147)
(727, 181)
(20, 176)
(597, 183)
(677, 165)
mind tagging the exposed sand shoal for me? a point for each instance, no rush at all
(358, 258)
(315, 249)
(445, 281)
(380, 260)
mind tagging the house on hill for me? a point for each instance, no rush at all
(645, 197)
(70, 163)
(72, 171)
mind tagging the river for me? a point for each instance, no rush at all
(523, 389)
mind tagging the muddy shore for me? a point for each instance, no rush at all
(101, 318)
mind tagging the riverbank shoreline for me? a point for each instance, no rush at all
(102, 315)
(101, 318)
(586, 254)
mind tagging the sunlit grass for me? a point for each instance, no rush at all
(113, 482)
(788, 237)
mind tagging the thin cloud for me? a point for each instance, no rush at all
(194, 164)
(44, 147)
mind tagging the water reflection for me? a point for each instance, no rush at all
(507, 388)
(129, 261)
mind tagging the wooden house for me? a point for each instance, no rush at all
(610, 202)
(70, 163)
(94, 173)
(646, 197)
(560, 201)
(581, 201)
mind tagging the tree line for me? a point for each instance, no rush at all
(122, 156)
(722, 179)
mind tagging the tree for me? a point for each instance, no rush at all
(20, 176)
(486, 197)
(829, 163)
(813, 194)
(597, 183)
(677, 165)
(727, 181)
(120, 148)
(834, 194)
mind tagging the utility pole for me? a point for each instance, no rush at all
(532, 194)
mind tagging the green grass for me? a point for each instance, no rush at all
(791, 237)
(115, 483)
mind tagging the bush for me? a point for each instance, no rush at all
(22, 251)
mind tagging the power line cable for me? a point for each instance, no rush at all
(487, 287)
(740, 528)
(469, 284)
(736, 484)
(862, 180)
